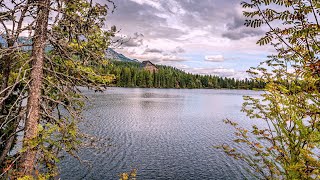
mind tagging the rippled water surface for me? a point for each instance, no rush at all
(163, 133)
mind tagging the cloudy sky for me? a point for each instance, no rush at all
(198, 36)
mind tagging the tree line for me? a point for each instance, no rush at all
(131, 74)
(39, 95)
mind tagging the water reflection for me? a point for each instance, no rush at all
(164, 133)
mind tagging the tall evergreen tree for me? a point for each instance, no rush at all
(131, 75)
(67, 43)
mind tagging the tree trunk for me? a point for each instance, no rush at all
(33, 106)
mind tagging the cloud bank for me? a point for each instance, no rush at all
(175, 30)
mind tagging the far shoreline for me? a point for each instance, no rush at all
(254, 89)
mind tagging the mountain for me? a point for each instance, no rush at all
(113, 55)
(2, 41)
(21, 41)
(110, 53)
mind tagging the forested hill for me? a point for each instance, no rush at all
(131, 74)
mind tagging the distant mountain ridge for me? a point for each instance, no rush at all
(113, 55)
(110, 53)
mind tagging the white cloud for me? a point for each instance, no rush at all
(214, 58)
(216, 71)
(220, 71)
(205, 30)
(154, 4)
(155, 55)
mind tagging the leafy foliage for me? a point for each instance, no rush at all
(76, 40)
(129, 175)
(288, 146)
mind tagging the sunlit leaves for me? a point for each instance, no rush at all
(265, 40)
(76, 43)
(129, 175)
(286, 148)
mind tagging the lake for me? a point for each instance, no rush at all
(163, 133)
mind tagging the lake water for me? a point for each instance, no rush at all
(163, 133)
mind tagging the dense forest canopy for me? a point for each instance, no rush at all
(131, 74)
(40, 98)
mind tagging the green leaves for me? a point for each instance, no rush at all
(254, 23)
(286, 147)
(77, 40)
(265, 40)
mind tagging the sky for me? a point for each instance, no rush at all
(197, 36)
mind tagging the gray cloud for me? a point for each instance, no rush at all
(178, 50)
(133, 43)
(237, 22)
(132, 17)
(136, 40)
(236, 29)
(201, 27)
(164, 32)
(153, 50)
(241, 33)
(208, 12)
(144, 18)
